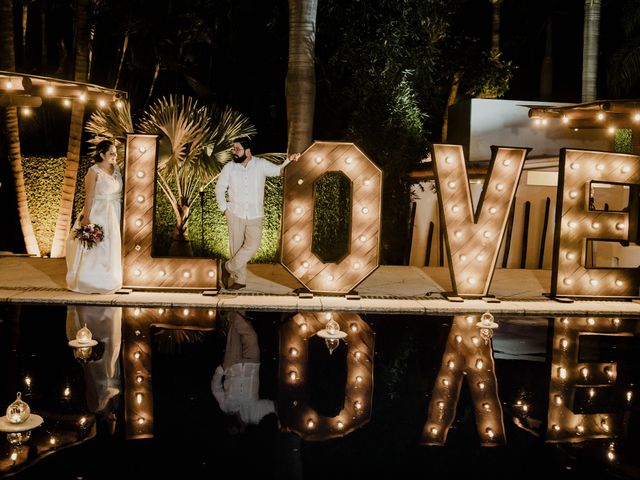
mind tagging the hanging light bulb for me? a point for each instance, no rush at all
(332, 335)
(486, 326)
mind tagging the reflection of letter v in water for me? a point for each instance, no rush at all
(102, 372)
(236, 382)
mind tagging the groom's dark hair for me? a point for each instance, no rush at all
(244, 141)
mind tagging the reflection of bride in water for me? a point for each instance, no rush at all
(102, 368)
(236, 382)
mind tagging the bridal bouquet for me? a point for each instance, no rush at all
(89, 235)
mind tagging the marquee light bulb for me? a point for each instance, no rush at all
(452, 184)
(493, 210)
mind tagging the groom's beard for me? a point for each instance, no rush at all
(238, 159)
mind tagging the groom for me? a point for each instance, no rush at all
(243, 179)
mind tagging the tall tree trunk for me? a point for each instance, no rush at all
(25, 16)
(63, 222)
(546, 72)
(125, 45)
(300, 85)
(8, 63)
(451, 99)
(590, 50)
(495, 28)
(43, 35)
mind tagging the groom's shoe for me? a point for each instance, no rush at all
(224, 275)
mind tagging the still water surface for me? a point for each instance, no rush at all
(397, 395)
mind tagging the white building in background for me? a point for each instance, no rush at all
(477, 124)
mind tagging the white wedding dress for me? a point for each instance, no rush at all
(99, 269)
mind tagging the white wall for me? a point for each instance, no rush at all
(479, 123)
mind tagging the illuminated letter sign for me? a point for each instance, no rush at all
(294, 410)
(565, 422)
(141, 269)
(468, 356)
(576, 222)
(297, 217)
(473, 240)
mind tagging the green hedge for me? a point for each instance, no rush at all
(43, 178)
(216, 243)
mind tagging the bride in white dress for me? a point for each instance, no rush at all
(99, 269)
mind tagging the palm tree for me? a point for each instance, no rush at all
(8, 63)
(301, 78)
(590, 49)
(194, 147)
(63, 222)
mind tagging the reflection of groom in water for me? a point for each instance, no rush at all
(236, 382)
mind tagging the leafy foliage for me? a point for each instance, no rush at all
(388, 81)
(43, 180)
(332, 209)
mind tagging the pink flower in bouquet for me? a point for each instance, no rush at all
(89, 235)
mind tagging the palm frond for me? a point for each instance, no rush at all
(111, 123)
